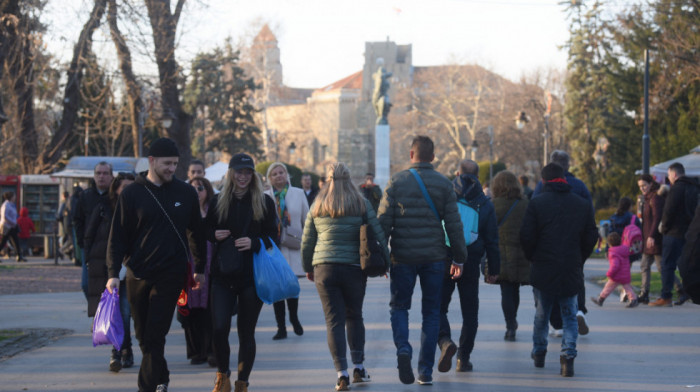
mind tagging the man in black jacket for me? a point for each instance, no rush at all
(678, 212)
(469, 192)
(148, 234)
(557, 235)
(89, 199)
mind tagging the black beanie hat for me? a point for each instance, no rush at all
(552, 171)
(164, 147)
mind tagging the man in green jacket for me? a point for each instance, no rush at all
(415, 224)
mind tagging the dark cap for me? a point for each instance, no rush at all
(241, 161)
(164, 147)
(552, 171)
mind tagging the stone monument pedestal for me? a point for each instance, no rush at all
(382, 154)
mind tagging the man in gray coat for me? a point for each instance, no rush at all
(415, 205)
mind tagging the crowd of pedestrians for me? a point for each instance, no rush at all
(158, 241)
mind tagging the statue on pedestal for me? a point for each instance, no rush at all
(380, 97)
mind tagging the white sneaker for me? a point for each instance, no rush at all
(582, 324)
(557, 333)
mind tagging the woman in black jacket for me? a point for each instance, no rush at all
(243, 212)
(96, 236)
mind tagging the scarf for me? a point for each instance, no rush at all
(282, 208)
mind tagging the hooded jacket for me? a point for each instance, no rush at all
(26, 226)
(87, 201)
(557, 235)
(467, 187)
(417, 236)
(619, 259)
(143, 237)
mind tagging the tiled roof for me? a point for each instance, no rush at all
(353, 81)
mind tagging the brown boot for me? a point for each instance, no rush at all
(240, 386)
(223, 383)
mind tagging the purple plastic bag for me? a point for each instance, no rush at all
(108, 328)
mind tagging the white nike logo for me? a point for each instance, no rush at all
(177, 204)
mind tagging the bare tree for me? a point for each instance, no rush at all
(164, 25)
(133, 89)
(71, 101)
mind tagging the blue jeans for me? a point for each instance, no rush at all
(670, 253)
(125, 310)
(568, 305)
(403, 281)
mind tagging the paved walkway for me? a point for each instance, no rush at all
(642, 349)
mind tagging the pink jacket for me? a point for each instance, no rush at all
(619, 258)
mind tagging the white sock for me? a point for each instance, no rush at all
(343, 373)
(358, 366)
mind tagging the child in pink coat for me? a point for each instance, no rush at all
(619, 271)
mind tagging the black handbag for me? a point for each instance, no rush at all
(228, 258)
(372, 257)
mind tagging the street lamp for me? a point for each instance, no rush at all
(475, 147)
(522, 118)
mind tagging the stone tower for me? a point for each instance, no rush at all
(266, 58)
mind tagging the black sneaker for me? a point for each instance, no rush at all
(425, 380)
(360, 375)
(115, 361)
(463, 365)
(343, 383)
(281, 334)
(405, 371)
(162, 388)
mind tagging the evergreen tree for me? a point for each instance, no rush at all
(219, 93)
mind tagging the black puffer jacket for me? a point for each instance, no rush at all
(557, 235)
(96, 238)
(417, 236)
(689, 263)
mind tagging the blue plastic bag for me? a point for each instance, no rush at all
(108, 328)
(274, 278)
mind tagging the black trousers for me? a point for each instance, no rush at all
(342, 288)
(468, 288)
(12, 234)
(510, 301)
(152, 305)
(223, 300)
(198, 332)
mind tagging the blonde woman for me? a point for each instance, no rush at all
(292, 208)
(241, 211)
(331, 257)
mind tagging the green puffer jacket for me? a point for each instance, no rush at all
(514, 266)
(417, 236)
(329, 240)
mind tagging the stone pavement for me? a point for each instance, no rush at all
(642, 349)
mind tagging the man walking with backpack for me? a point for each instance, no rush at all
(481, 235)
(415, 202)
(678, 212)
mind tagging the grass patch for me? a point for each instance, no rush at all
(10, 334)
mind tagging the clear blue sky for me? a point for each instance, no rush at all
(322, 41)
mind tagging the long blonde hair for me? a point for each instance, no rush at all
(340, 197)
(257, 197)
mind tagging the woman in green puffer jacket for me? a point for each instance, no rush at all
(330, 252)
(510, 208)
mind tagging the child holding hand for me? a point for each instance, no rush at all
(618, 272)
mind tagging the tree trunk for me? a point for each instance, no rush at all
(164, 25)
(133, 88)
(71, 99)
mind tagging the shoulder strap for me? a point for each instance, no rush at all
(187, 252)
(508, 213)
(425, 192)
